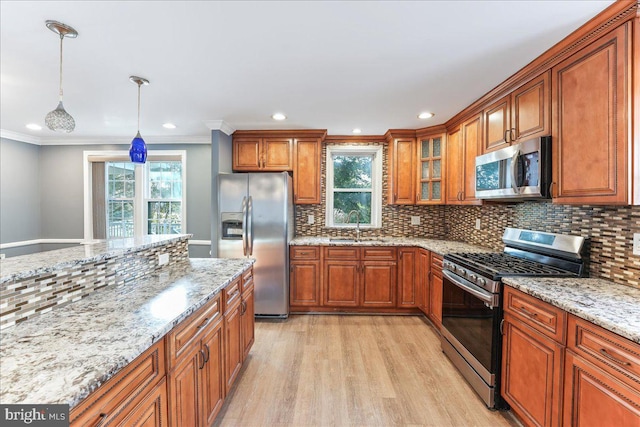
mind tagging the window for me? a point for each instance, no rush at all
(164, 204)
(354, 183)
(120, 198)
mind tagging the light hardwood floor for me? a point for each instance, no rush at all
(332, 370)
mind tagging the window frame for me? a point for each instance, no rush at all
(376, 151)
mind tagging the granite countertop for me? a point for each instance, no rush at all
(441, 247)
(24, 266)
(613, 306)
(64, 355)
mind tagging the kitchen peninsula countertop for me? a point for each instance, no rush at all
(441, 247)
(64, 355)
(613, 306)
(23, 266)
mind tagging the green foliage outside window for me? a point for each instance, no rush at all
(352, 184)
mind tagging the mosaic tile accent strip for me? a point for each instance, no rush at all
(23, 299)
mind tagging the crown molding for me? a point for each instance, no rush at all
(220, 125)
(20, 137)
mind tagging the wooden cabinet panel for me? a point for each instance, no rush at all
(342, 283)
(304, 253)
(435, 291)
(543, 317)
(346, 253)
(531, 373)
(231, 294)
(212, 386)
(462, 150)
(430, 178)
(151, 412)
(305, 283)
(378, 284)
(454, 166)
(593, 398)
(407, 287)
(232, 344)
(246, 154)
(184, 385)
(497, 125)
(402, 164)
(378, 253)
(472, 134)
(531, 109)
(277, 154)
(590, 115)
(423, 280)
(248, 317)
(306, 171)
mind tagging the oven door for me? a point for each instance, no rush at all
(470, 325)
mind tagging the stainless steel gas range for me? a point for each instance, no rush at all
(472, 299)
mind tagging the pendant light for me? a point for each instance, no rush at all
(138, 149)
(59, 120)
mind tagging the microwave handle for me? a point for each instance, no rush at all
(514, 170)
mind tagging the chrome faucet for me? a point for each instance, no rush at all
(357, 223)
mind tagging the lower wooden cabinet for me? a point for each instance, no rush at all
(407, 278)
(304, 277)
(435, 291)
(151, 412)
(212, 375)
(423, 282)
(233, 348)
(247, 319)
(378, 284)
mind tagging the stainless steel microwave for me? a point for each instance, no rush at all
(521, 171)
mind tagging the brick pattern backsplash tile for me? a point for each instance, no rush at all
(24, 299)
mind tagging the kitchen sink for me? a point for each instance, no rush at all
(349, 240)
(342, 240)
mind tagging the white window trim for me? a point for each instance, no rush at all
(141, 188)
(376, 183)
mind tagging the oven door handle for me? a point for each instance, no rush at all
(482, 295)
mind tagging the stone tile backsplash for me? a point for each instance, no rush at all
(26, 298)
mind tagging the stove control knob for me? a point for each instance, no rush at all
(473, 277)
(482, 282)
(462, 272)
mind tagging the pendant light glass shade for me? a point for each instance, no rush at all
(138, 148)
(59, 120)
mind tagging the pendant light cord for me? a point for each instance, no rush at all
(61, 37)
(138, 107)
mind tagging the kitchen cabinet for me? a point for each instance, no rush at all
(247, 313)
(435, 291)
(402, 166)
(602, 377)
(252, 154)
(462, 149)
(423, 282)
(304, 277)
(306, 171)
(233, 345)
(152, 412)
(532, 358)
(407, 278)
(430, 171)
(136, 388)
(591, 107)
(523, 114)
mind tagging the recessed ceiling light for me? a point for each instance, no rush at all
(34, 126)
(169, 126)
(278, 116)
(425, 115)
(357, 130)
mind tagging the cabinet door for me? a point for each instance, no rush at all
(531, 109)
(212, 384)
(403, 163)
(151, 412)
(341, 283)
(378, 284)
(430, 175)
(454, 168)
(304, 283)
(435, 303)
(590, 113)
(497, 125)
(531, 374)
(246, 154)
(248, 321)
(594, 398)
(472, 135)
(277, 154)
(306, 171)
(407, 287)
(184, 388)
(423, 273)
(232, 345)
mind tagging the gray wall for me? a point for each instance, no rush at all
(19, 194)
(221, 149)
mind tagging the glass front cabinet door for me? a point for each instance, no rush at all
(430, 171)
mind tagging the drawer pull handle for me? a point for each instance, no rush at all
(233, 295)
(206, 347)
(204, 323)
(202, 359)
(101, 420)
(606, 354)
(528, 313)
(303, 253)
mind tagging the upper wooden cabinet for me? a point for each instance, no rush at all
(525, 113)
(402, 166)
(430, 171)
(462, 149)
(306, 171)
(263, 154)
(591, 113)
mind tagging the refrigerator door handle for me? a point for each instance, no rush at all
(244, 226)
(250, 225)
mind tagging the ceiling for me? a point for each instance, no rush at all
(326, 65)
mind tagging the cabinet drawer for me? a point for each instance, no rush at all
(186, 332)
(304, 252)
(611, 352)
(376, 253)
(436, 264)
(349, 253)
(126, 389)
(247, 279)
(231, 294)
(543, 317)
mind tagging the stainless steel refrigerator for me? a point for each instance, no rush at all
(256, 221)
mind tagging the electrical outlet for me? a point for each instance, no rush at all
(636, 243)
(311, 219)
(163, 259)
(478, 224)
(1, 256)
(415, 220)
